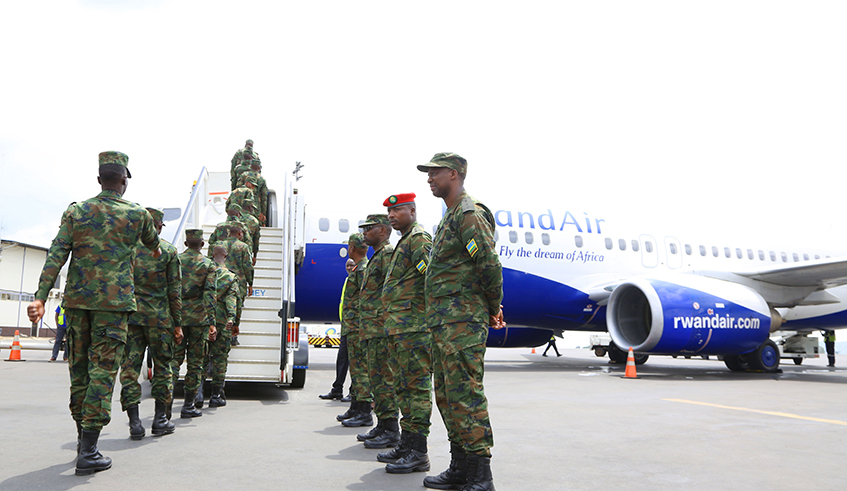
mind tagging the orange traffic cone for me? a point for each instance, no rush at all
(533, 351)
(15, 355)
(630, 365)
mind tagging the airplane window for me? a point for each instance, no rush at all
(622, 244)
(513, 236)
(739, 254)
(714, 251)
(817, 257)
(773, 256)
(648, 246)
(545, 239)
(608, 243)
(796, 257)
(635, 245)
(343, 225)
(702, 250)
(750, 254)
(727, 252)
(687, 249)
(673, 248)
(761, 255)
(577, 240)
(342, 252)
(805, 257)
(784, 257)
(528, 237)
(323, 224)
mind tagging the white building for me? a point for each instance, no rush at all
(20, 268)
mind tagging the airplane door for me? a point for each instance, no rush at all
(673, 252)
(649, 251)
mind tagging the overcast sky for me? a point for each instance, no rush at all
(719, 116)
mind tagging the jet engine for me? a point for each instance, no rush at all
(689, 315)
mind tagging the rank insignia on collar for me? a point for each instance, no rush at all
(421, 267)
(472, 247)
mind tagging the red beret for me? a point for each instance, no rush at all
(399, 199)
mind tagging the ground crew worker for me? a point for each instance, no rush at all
(239, 263)
(551, 344)
(464, 287)
(101, 236)
(226, 307)
(342, 360)
(409, 339)
(829, 342)
(386, 433)
(198, 318)
(155, 323)
(61, 329)
(357, 346)
(238, 157)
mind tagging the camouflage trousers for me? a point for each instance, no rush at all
(193, 349)
(357, 353)
(411, 354)
(97, 340)
(161, 343)
(460, 396)
(218, 354)
(381, 378)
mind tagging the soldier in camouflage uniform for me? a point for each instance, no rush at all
(410, 340)
(238, 158)
(226, 307)
(234, 213)
(464, 287)
(101, 236)
(198, 317)
(155, 324)
(242, 195)
(261, 190)
(357, 348)
(386, 433)
(239, 263)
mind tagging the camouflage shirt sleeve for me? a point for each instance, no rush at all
(149, 236)
(232, 301)
(209, 292)
(174, 273)
(477, 231)
(57, 256)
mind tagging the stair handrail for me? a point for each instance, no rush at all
(190, 208)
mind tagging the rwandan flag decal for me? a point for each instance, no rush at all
(471, 247)
(421, 267)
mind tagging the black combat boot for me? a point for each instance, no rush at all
(78, 435)
(136, 429)
(375, 432)
(415, 458)
(455, 476)
(198, 399)
(188, 410)
(362, 418)
(216, 400)
(351, 411)
(479, 474)
(333, 394)
(161, 424)
(90, 459)
(397, 452)
(169, 411)
(389, 437)
(347, 398)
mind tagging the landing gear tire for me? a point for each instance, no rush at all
(798, 361)
(616, 354)
(735, 363)
(765, 358)
(641, 359)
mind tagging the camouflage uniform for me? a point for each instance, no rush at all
(237, 160)
(101, 236)
(198, 313)
(409, 337)
(240, 196)
(227, 305)
(463, 288)
(356, 346)
(260, 193)
(158, 295)
(250, 228)
(239, 263)
(372, 317)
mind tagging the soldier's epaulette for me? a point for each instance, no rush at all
(468, 205)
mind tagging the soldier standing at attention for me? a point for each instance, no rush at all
(464, 287)
(228, 302)
(357, 353)
(198, 318)
(101, 236)
(387, 432)
(155, 324)
(409, 339)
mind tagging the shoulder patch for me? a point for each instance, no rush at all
(468, 205)
(421, 267)
(472, 247)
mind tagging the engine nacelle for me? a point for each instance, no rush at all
(692, 314)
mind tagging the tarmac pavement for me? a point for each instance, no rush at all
(559, 423)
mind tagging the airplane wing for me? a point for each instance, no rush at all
(821, 274)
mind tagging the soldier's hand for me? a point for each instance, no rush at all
(496, 321)
(157, 253)
(213, 333)
(178, 334)
(235, 330)
(35, 310)
(262, 218)
(249, 291)
(254, 260)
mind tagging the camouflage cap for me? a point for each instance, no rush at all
(194, 234)
(233, 206)
(235, 227)
(249, 143)
(250, 177)
(376, 220)
(447, 160)
(357, 240)
(157, 215)
(112, 157)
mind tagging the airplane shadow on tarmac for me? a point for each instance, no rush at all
(659, 369)
(266, 393)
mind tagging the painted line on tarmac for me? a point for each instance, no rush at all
(771, 413)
